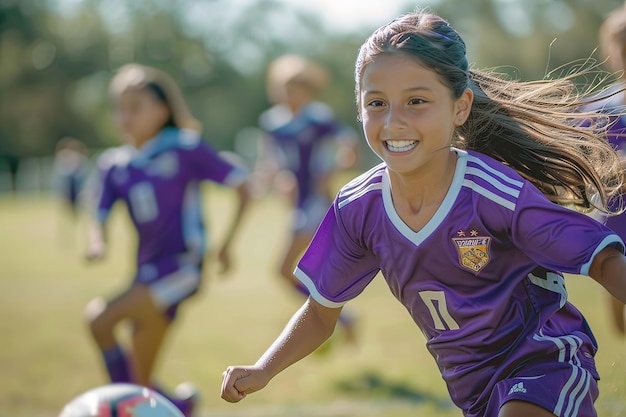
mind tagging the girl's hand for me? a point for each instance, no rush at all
(95, 251)
(239, 381)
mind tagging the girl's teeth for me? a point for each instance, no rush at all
(401, 145)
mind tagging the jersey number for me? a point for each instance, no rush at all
(143, 202)
(438, 308)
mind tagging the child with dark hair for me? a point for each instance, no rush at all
(462, 221)
(158, 180)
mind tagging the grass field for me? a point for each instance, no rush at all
(46, 357)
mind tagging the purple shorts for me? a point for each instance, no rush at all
(567, 389)
(170, 282)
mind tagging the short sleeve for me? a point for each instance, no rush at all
(335, 268)
(206, 164)
(107, 194)
(556, 237)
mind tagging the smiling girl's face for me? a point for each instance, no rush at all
(409, 115)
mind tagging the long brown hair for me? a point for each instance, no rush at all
(533, 127)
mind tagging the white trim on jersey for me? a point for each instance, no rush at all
(358, 187)
(608, 241)
(315, 294)
(361, 193)
(194, 233)
(499, 180)
(489, 195)
(361, 180)
(494, 171)
(493, 181)
(446, 205)
(236, 177)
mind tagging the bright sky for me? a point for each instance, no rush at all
(345, 15)
(338, 15)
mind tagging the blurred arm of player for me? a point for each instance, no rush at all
(609, 269)
(311, 326)
(95, 241)
(223, 255)
(90, 198)
(347, 153)
(269, 172)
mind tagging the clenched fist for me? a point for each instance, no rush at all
(239, 381)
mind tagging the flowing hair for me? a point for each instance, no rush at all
(534, 127)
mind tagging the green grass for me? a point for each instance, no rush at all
(46, 357)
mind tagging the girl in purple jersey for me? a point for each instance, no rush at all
(462, 222)
(158, 180)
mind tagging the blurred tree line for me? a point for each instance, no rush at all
(57, 56)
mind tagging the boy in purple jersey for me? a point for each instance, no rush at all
(158, 180)
(301, 154)
(462, 222)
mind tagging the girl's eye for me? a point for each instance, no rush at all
(416, 101)
(375, 103)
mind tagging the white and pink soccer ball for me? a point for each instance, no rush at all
(120, 400)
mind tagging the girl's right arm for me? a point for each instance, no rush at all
(95, 241)
(99, 199)
(311, 326)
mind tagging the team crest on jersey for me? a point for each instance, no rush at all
(473, 250)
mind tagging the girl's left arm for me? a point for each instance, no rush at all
(609, 269)
(243, 202)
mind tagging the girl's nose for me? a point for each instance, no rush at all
(396, 118)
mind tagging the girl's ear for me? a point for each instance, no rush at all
(463, 106)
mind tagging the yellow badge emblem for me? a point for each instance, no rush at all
(473, 251)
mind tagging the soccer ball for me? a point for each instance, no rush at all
(120, 400)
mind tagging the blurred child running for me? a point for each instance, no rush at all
(158, 180)
(304, 148)
(70, 171)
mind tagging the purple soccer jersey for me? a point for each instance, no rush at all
(304, 141)
(479, 279)
(159, 184)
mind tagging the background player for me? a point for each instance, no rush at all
(467, 240)
(613, 46)
(159, 182)
(70, 171)
(305, 147)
